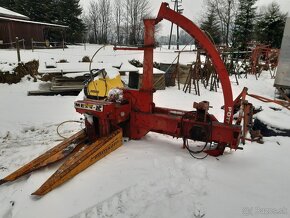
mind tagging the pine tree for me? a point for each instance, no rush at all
(68, 13)
(211, 25)
(226, 12)
(270, 26)
(8, 4)
(244, 24)
(36, 10)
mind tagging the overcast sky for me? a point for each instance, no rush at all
(193, 9)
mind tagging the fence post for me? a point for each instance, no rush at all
(18, 50)
(23, 43)
(63, 45)
(32, 44)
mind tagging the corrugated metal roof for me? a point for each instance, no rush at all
(32, 22)
(8, 13)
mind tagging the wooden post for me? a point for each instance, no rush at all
(32, 44)
(62, 36)
(18, 50)
(177, 68)
(23, 43)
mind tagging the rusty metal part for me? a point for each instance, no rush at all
(263, 58)
(256, 136)
(204, 105)
(285, 104)
(51, 156)
(85, 157)
(245, 112)
(80, 156)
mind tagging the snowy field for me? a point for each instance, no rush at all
(8, 58)
(153, 177)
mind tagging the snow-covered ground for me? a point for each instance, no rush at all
(75, 54)
(153, 177)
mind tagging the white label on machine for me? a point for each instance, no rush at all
(88, 106)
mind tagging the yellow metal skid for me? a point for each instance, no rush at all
(81, 160)
(80, 156)
(51, 156)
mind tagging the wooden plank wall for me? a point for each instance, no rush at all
(24, 31)
(4, 32)
(27, 31)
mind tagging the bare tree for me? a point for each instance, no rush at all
(226, 11)
(94, 20)
(124, 20)
(136, 10)
(118, 14)
(104, 19)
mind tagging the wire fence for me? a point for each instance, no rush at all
(47, 44)
(33, 44)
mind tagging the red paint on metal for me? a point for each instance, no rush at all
(137, 114)
(129, 48)
(166, 13)
(147, 82)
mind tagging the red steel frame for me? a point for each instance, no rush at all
(166, 13)
(138, 115)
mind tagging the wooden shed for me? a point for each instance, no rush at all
(14, 25)
(180, 70)
(135, 79)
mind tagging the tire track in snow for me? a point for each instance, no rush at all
(180, 192)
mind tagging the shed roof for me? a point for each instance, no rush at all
(8, 13)
(32, 22)
(155, 70)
